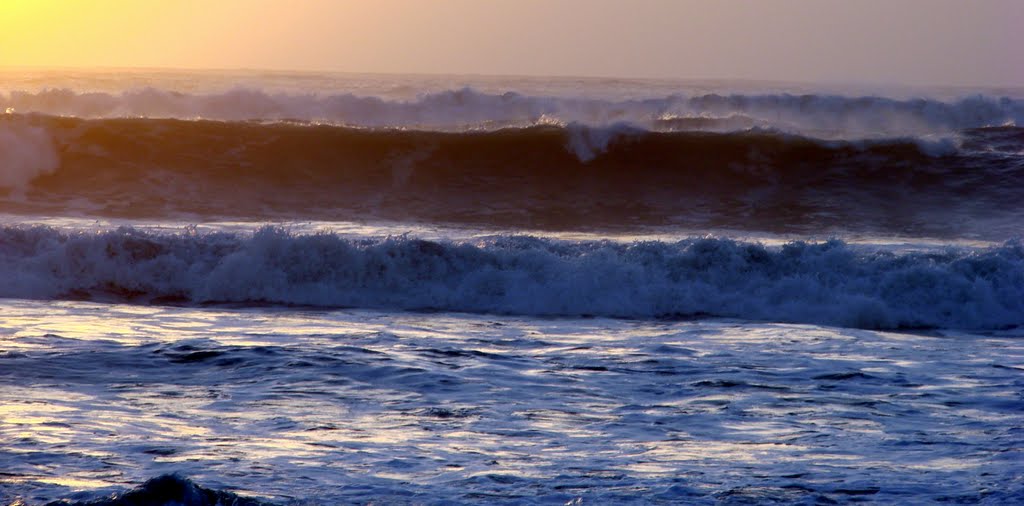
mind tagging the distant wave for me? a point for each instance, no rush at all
(832, 116)
(822, 283)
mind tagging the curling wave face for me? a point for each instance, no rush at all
(573, 176)
(823, 283)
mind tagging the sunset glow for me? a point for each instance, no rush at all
(910, 42)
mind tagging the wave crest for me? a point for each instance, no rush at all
(831, 116)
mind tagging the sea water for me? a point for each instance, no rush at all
(274, 288)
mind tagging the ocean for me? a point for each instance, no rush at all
(281, 288)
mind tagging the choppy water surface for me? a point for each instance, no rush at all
(297, 406)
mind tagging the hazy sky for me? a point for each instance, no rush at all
(957, 42)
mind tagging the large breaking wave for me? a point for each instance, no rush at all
(822, 283)
(540, 176)
(770, 162)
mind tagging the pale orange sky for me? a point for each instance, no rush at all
(942, 42)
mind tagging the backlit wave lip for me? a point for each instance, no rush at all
(828, 283)
(466, 108)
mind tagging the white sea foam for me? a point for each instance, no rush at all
(357, 406)
(827, 283)
(828, 116)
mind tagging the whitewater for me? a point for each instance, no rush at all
(273, 288)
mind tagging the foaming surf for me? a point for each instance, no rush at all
(828, 283)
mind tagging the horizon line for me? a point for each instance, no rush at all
(4, 68)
